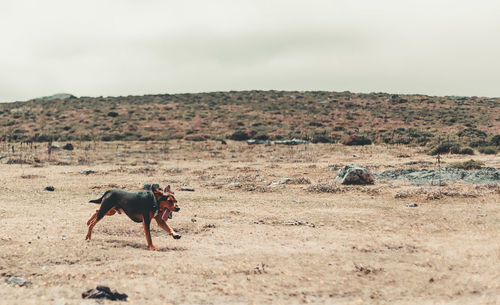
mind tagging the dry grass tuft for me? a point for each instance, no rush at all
(325, 188)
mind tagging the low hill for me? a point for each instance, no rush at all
(317, 116)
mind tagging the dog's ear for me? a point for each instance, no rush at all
(167, 189)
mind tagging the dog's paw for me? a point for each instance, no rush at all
(176, 236)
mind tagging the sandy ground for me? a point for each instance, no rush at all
(285, 244)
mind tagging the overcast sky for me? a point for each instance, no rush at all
(135, 47)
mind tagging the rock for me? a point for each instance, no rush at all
(333, 168)
(425, 176)
(223, 142)
(234, 185)
(88, 171)
(412, 205)
(282, 181)
(55, 146)
(291, 142)
(1, 157)
(187, 189)
(284, 142)
(49, 188)
(103, 292)
(253, 142)
(234, 156)
(15, 280)
(68, 146)
(355, 155)
(352, 174)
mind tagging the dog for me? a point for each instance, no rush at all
(139, 207)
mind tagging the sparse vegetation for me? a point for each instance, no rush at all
(316, 116)
(468, 165)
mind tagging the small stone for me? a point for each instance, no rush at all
(15, 280)
(187, 189)
(282, 181)
(355, 155)
(88, 171)
(412, 205)
(234, 185)
(49, 188)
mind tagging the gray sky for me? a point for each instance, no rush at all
(122, 47)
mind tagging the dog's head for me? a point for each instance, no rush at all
(166, 199)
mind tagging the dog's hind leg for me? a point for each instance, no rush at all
(106, 207)
(109, 213)
(93, 217)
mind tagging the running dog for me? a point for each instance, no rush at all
(140, 207)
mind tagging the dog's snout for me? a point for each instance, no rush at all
(177, 209)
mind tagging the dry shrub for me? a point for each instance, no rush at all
(301, 180)
(31, 176)
(468, 165)
(142, 170)
(325, 188)
(174, 170)
(19, 161)
(458, 190)
(245, 178)
(256, 188)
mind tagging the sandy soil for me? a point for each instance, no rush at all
(286, 244)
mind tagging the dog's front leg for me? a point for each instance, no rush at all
(162, 224)
(146, 222)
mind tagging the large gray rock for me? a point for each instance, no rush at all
(352, 174)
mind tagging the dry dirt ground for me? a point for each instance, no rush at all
(307, 242)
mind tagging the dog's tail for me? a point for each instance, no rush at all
(100, 199)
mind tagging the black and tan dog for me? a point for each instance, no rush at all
(140, 207)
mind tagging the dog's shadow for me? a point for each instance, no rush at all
(116, 243)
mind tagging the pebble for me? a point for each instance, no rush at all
(234, 184)
(412, 205)
(15, 280)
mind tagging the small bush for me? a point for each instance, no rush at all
(445, 148)
(261, 136)
(495, 140)
(239, 135)
(468, 165)
(196, 137)
(488, 150)
(466, 151)
(357, 140)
